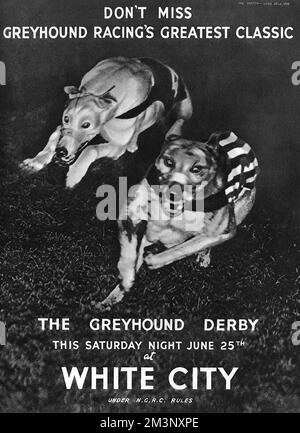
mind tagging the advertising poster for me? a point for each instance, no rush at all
(149, 166)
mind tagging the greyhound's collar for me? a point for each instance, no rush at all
(79, 93)
(209, 204)
(98, 139)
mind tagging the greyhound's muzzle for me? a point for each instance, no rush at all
(172, 198)
(61, 152)
(68, 148)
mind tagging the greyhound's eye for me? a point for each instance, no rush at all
(196, 169)
(85, 125)
(169, 162)
(66, 119)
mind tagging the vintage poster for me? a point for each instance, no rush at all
(149, 167)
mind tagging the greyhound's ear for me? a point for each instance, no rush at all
(172, 137)
(216, 137)
(104, 101)
(175, 130)
(214, 147)
(213, 139)
(71, 90)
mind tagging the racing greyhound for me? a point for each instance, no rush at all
(221, 175)
(117, 100)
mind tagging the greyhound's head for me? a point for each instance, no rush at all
(81, 121)
(187, 162)
(110, 89)
(189, 168)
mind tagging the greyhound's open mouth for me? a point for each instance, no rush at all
(65, 162)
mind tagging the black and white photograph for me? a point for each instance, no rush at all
(149, 225)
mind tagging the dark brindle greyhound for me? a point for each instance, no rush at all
(221, 173)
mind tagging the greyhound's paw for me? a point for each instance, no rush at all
(152, 262)
(102, 306)
(31, 165)
(73, 179)
(132, 147)
(204, 259)
(113, 298)
(70, 185)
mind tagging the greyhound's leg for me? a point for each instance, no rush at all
(78, 170)
(183, 109)
(244, 204)
(80, 167)
(127, 269)
(118, 293)
(192, 246)
(131, 258)
(180, 113)
(176, 128)
(44, 157)
(140, 259)
(132, 146)
(203, 258)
